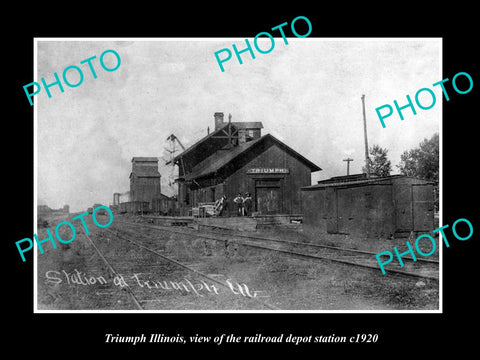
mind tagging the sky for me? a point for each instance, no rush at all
(307, 94)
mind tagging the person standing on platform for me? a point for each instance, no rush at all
(239, 204)
(247, 204)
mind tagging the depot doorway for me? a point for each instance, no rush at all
(268, 196)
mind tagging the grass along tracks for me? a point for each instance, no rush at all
(422, 268)
(225, 274)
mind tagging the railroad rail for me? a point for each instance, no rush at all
(323, 252)
(318, 246)
(134, 297)
(184, 266)
(114, 271)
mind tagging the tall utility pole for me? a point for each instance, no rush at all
(367, 167)
(348, 164)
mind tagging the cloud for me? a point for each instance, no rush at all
(306, 93)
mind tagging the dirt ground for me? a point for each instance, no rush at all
(73, 277)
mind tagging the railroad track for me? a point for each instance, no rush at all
(126, 265)
(422, 268)
(114, 271)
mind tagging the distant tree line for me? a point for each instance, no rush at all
(420, 162)
(378, 162)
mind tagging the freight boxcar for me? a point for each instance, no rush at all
(387, 206)
(134, 207)
(165, 206)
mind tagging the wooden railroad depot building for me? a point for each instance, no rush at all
(236, 158)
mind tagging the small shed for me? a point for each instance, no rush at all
(384, 206)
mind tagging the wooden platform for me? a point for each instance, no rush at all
(252, 223)
(236, 223)
(171, 220)
(290, 221)
(240, 223)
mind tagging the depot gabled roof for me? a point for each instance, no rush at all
(203, 142)
(248, 124)
(223, 158)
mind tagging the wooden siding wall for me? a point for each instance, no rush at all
(239, 181)
(299, 175)
(144, 188)
(380, 209)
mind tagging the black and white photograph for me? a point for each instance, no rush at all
(269, 186)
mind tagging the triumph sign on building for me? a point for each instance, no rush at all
(267, 171)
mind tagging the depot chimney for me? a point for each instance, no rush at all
(218, 120)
